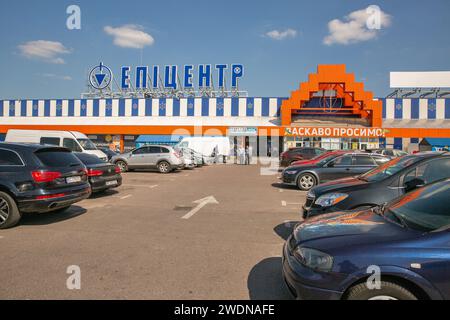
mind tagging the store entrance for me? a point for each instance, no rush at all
(332, 143)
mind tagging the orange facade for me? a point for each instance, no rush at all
(334, 77)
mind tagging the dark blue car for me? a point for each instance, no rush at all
(338, 255)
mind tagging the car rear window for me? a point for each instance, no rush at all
(89, 159)
(390, 168)
(363, 161)
(57, 158)
(9, 158)
(50, 141)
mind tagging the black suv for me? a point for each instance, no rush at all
(378, 186)
(37, 179)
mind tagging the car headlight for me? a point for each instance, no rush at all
(290, 171)
(314, 259)
(310, 194)
(331, 199)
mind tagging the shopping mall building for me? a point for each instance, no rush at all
(330, 110)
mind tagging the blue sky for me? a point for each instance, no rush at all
(278, 42)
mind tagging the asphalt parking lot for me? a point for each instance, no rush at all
(149, 239)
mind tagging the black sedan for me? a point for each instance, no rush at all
(109, 153)
(334, 167)
(101, 175)
(378, 186)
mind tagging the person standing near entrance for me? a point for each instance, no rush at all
(247, 156)
(241, 155)
(250, 154)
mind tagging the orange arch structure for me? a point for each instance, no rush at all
(334, 77)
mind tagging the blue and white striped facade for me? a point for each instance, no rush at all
(249, 111)
(414, 113)
(393, 109)
(416, 109)
(164, 111)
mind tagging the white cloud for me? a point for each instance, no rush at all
(281, 35)
(354, 27)
(129, 36)
(55, 76)
(48, 51)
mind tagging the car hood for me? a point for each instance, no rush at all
(303, 162)
(349, 228)
(302, 167)
(339, 184)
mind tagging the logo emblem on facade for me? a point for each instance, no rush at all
(100, 77)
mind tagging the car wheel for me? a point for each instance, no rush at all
(388, 291)
(306, 181)
(122, 166)
(9, 213)
(164, 167)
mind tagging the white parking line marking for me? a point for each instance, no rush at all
(284, 203)
(125, 197)
(140, 185)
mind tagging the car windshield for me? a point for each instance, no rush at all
(321, 156)
(425, 209)
(327, 159)
(389, 168)
(87, 144)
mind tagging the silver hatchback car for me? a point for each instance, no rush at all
(163, 158)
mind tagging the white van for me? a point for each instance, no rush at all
(73, 140)
(206, 145)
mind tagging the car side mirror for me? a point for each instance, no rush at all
(413, 184)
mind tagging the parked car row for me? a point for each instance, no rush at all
(160, 157)
(45, 170)
(393, 220)
(300, 155)
(38, 178)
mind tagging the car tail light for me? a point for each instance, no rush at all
(45, 176)
(94, 172)
(50, 196)
(117, 170)
(177, 154)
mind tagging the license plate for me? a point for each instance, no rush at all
(73, 179)
(111, 183)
